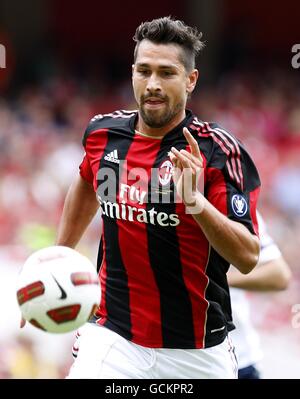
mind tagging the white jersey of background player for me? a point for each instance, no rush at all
(271, 274)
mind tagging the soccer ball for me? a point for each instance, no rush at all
(58, 289)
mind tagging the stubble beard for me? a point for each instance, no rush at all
(158, 120)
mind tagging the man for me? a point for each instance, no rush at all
(272, 274)
(166, 244)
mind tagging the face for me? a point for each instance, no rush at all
(161, 83)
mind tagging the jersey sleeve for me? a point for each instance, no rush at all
(232, 181)
(85, 170)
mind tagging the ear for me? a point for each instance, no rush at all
(192, 80)
(132, 68)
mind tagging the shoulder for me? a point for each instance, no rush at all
(116, 119)
(227, 152)
(223, 141)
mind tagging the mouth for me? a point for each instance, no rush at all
(154, 102)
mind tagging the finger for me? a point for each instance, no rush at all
(175, 161)
(186, 163)
(189, 163)
(192, 142)
(173, 158)
(194, 163)
(191, 157)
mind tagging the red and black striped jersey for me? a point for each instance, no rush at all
(163, 285)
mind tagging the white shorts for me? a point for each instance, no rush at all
(103, 354)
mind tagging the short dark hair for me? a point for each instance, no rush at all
(168, 30)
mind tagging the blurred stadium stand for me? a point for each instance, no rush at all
(66, 63)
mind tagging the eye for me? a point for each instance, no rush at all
(167, 73)
(144, 72)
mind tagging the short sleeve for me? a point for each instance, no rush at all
(85, 170)
(233, 183)
(94, 141)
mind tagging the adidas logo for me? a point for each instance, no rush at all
(112, 157)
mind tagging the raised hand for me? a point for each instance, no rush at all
(188, 170)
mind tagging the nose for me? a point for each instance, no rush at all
(153, 84)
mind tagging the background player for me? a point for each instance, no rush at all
(271, 274)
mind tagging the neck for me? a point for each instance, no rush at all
(159, 132)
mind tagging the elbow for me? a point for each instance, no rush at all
(250, 258)
(284, 280)
(281, 286)
(248, 264)
(281, 274)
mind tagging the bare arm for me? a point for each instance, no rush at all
(274, 275)
(230, 239)
(79, 209)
